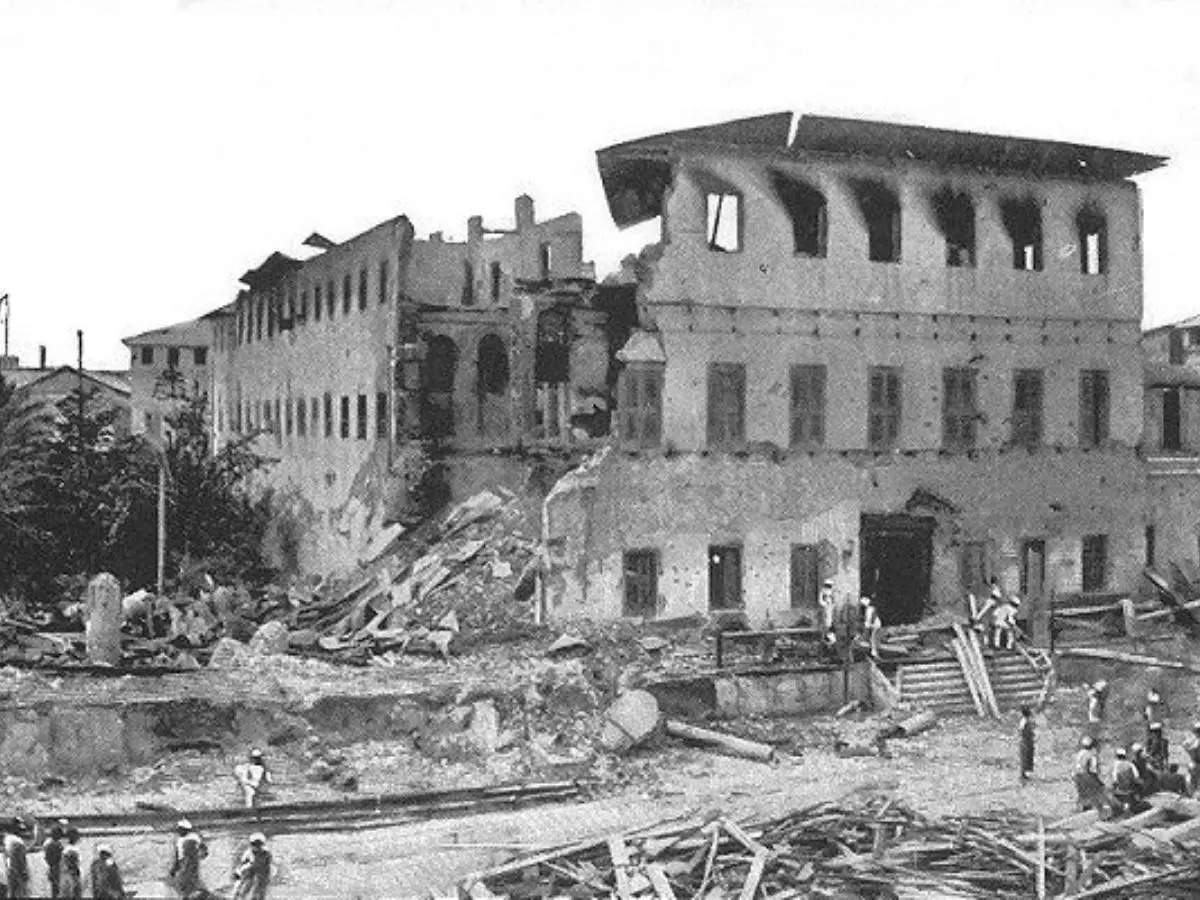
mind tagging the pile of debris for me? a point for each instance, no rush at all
(875, 848)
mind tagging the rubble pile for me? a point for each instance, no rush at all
(872, 848)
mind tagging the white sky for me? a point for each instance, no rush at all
(151, 152)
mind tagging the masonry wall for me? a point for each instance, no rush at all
(157, 391)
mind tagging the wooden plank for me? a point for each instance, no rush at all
(757, 866)
(620, 860)
(985, 683)
(658, 880)
(735, 831)
(968, 676)
(1131, 658)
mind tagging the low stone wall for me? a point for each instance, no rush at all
(792, 693)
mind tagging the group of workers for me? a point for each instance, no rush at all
(1139, 770)
(841, 623)
(62, 857)
(996, 619)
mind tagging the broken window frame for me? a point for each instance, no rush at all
(716, 215)
(1093, 563)
(1093, 258)
(885, 405)
(726, 408)
(807, 405)
(1093, 407)
(1022, 219)
(1029, 393)
(954, 212)
(640, 405)
(640, 569)
(808, 210)
(960, 408)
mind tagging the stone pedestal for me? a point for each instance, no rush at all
(104, 617)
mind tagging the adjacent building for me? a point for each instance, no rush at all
(167, 368)
(904, 359)
(50, 385)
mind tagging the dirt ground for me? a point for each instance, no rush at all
(964, 765)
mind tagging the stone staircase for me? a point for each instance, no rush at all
(939, 684)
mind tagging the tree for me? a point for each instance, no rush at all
(24, 427)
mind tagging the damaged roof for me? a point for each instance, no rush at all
(635, 173)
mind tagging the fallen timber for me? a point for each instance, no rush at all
(374, 811)
(876, 848)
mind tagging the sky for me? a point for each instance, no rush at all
(151, 151)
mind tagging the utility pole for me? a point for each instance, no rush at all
(162, 520)
(6, 304)
(79, 372)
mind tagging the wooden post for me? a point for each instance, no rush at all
(162, 525)
(1041, 867)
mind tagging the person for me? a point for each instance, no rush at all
(870, 624)
(52, 851)
(1097, 701)
(1157, 750)
(105, 876)
(70, 885)
(189, 850)
(983, 620)
(1125, 783)
(1173, 781)
(1004, 621)
(827, 602)
(16, 859)
(1025, 736)
(1089, 788)
(1192, 748)
(253, 873)
(1153, 710)
(251, 777)
(1146, 774)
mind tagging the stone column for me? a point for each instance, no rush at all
(104, 617)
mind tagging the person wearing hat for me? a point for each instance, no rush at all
(189, 850)
(16, 859)
(70, 878)
(1025, 742)
(253, 873)
(251, 777)
(1146, 774)
(870, 624)
(1004, 623)
(1157, 749)
(827, 604)
(1126, 784)
(1153, 711)
(1173, 781)
(105, 876)
(1097, 701)
(1089, 788)
(52, 851)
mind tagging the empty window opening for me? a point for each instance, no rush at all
(724, 221)
(496, 274)
(1023, 222)
(1033, 568)
(808, 406)
(315, 416)
(641, 583)
(287, 417)
(468, 284)
(492, 365)
(552, 358)
(347, 294)
(344, 429)
(1093, 243)
(362, 288)
(1095, 562)
(726, 405)
(959, 412)
(1093, 408)
(805, 576)
(328, 415)
(301, 417)
(259, 316)
(200, 356)
(640, 405)
(317, 303)
(330, 297)
(437, 387)
(545, 260)
(1028, 391)
(1172, 420)
(807, 209)
(361, 424)
(725, 577)
(883, 408)
(381, 414)
(1150, 548)
(955, 214)
(147, 356)
(172, 357)
(880, 209)
(383, 281)
(972, 569)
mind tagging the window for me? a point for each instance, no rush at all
(1027, 407)
(724, 222)
(1150, 541)
(880, 209)
(959, 412)
(259, 316)
(172, 357)
(147, 356)
(276, 420)
(330, 297)
(361, 430)
(287, 416)
(328, 416)
(955, 214)
(345, 420)
(495, 275)
(237, 419)
(545, 260)
(291, 307)
(491, 365)
(383, 281)
(316, 302)
(301, 417)
(1093, 243)
(1093, 408)
(640, 406)
(883, 408)
(468, 284)
(806, 207)
(1172, 420)
(806, 576)
(362, 288)
(200, 356)
(725, 577)
(381, 414)
(1023, 221)
(347, 294)
(641, 583)
(726, 405)
(808, 406)
(271, 317)
(315, 416)
(1095, 562)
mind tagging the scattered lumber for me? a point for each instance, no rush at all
(727, 742)
(1135, 659)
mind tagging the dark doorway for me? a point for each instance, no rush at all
(437, 387)
(1033, 569)
(725, 577)
(895, 563)
(1172, 433)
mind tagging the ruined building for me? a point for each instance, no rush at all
(901, 358)
(352, 365)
